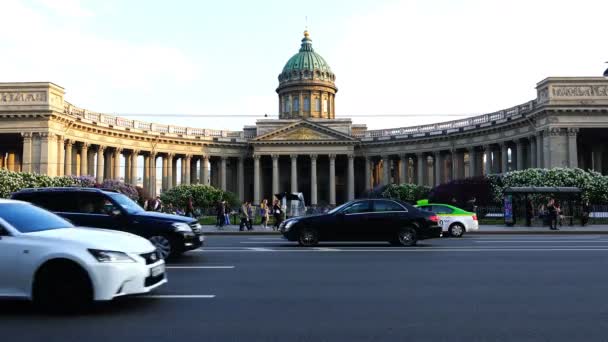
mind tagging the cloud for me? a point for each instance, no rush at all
(70, 8)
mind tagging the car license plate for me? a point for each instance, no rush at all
(157, 270)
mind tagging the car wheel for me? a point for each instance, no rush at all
(308, 237)
(456, 230)
(62, 286)
(163, 245)
(407, 237)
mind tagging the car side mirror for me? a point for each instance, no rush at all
(115, 212)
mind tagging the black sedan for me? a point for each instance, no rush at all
(365, 220)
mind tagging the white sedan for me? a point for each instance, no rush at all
(46, 259)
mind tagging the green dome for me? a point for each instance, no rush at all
(306, 59)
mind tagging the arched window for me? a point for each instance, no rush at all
(288, 106)
(317, 104)
(306, 104)
(285, 105)
(296, 105)
(324, 105)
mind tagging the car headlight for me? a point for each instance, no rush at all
(289, 224)
(182, 227)
(110, 256)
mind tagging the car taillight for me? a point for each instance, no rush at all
(434, 218)
(474, 217)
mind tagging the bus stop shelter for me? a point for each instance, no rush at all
(513, 197)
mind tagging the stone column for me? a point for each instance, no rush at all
(223, 173)
(240, 176)
(572, 148)
(504, 157)
(351, 177)
(313, 179)
(170, 171)
(117, 153)
(532, 150)
(173, 170)
(386, 168)
(275, 174)
(519, 146)
(205, 170)
(152, 174)
(60, 156)
(107, 172)
(146, 180)
(133, 165)
(294, 173)
(127, 168)
(100, 161)
(472, 162)
(183, 171)
(403, 166)
(256, 179)
(84, 159)
(597, 151)
(27, 152)
(68, 157)
(332, 179)
(488, 161)
(165, 180)
(48, 154)
(420, 163)
(539, 150)
(547, 134)
(10, 162)
(186, 168)
(368, 170)
(437, 166)
(455, 164)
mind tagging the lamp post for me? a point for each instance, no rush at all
(606, 73)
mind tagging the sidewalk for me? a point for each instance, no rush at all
(483, 230)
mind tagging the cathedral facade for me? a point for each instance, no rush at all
(307, 149)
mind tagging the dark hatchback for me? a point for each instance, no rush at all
(98, 208)
(365, 220)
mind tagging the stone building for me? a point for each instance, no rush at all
(308, 149)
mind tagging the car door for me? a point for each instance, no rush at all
(355, 221)
(389, 216)
(10, 251)
(445, 215)
(94, 210)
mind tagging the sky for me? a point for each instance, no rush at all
(426, 60)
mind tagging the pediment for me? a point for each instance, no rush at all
(304, 131)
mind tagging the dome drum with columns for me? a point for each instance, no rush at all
(308, 150)
(306, 85)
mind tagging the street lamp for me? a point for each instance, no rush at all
(606, 73)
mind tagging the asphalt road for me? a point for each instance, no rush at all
(245, 288)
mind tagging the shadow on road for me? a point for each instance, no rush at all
(127, 305)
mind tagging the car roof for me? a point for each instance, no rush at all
(9, 201)
(64, 189)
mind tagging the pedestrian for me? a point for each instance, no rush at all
(264, 213)
(277, 213)
(586, 213)
(529, 212)
(552, 213)
(244, 216)
(560, 214)
(471, 204)
(250, 216)
(190, 207)
(220, 210)
(227, 211)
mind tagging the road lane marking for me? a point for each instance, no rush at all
(262, 238)
(323, 249)
(259, 249)
(277, 242)
(176, 296)
(542, 241)
(426, 250)
(201, 267)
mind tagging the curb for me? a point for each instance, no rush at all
(542, 232)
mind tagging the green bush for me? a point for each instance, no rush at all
(203, 196)
(406, 192)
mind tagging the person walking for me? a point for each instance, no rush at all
(529, 212)
(552, 213)
(277, 213)
(190, 207)
(264, 213)
(250, 216)
(586, 213)
(244, 216)
(227, 211)
(220, 209)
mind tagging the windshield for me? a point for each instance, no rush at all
(27, 218)
(126, 203)
(338, 208)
